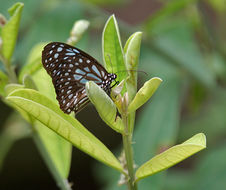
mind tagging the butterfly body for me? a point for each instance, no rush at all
(70, 68)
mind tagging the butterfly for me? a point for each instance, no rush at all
(70, 68)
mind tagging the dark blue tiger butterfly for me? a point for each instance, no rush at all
(70, 68)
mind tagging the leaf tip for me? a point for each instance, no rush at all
(157, 78)
(14, 7)
(202, 137)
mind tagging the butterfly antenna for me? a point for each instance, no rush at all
(133, 71)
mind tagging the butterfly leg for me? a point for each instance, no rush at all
(116, 83)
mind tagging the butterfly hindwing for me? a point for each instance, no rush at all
(70, 68)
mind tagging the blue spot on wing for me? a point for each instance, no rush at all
(75, 50)
(69, 50)
(56, 55)
(59, 49)
(77, 77)
(69, 53)
(96, 70)
(79, 71)
(86, 69)
(83, 81)
(94, 77)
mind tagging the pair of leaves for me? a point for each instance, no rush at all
(106, 107)
(123, 63)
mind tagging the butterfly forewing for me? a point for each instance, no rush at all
(70, 68)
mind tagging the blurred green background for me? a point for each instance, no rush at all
(184, 43)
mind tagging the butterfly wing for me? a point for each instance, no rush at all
(74, 61)
(70, 68)
(73, 100)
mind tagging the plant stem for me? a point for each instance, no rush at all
(9, 69)
(127, 141)
(11, 74)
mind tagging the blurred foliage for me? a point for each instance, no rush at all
(184, 44)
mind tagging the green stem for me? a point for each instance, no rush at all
(127, 145)
(9, 69)
(11, 74)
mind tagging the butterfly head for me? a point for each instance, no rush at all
(111, 77)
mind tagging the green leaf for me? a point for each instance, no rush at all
(144, 94)
(10, 31)
(48, 113)
(8, 90)
(112, 49)
(57, 156)
(208, 172)
(132, 50)
(132, 53)
(34, 61)
(105, 106)
(172, 156)
(44, 84)
(3, 81)
(11, 87)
